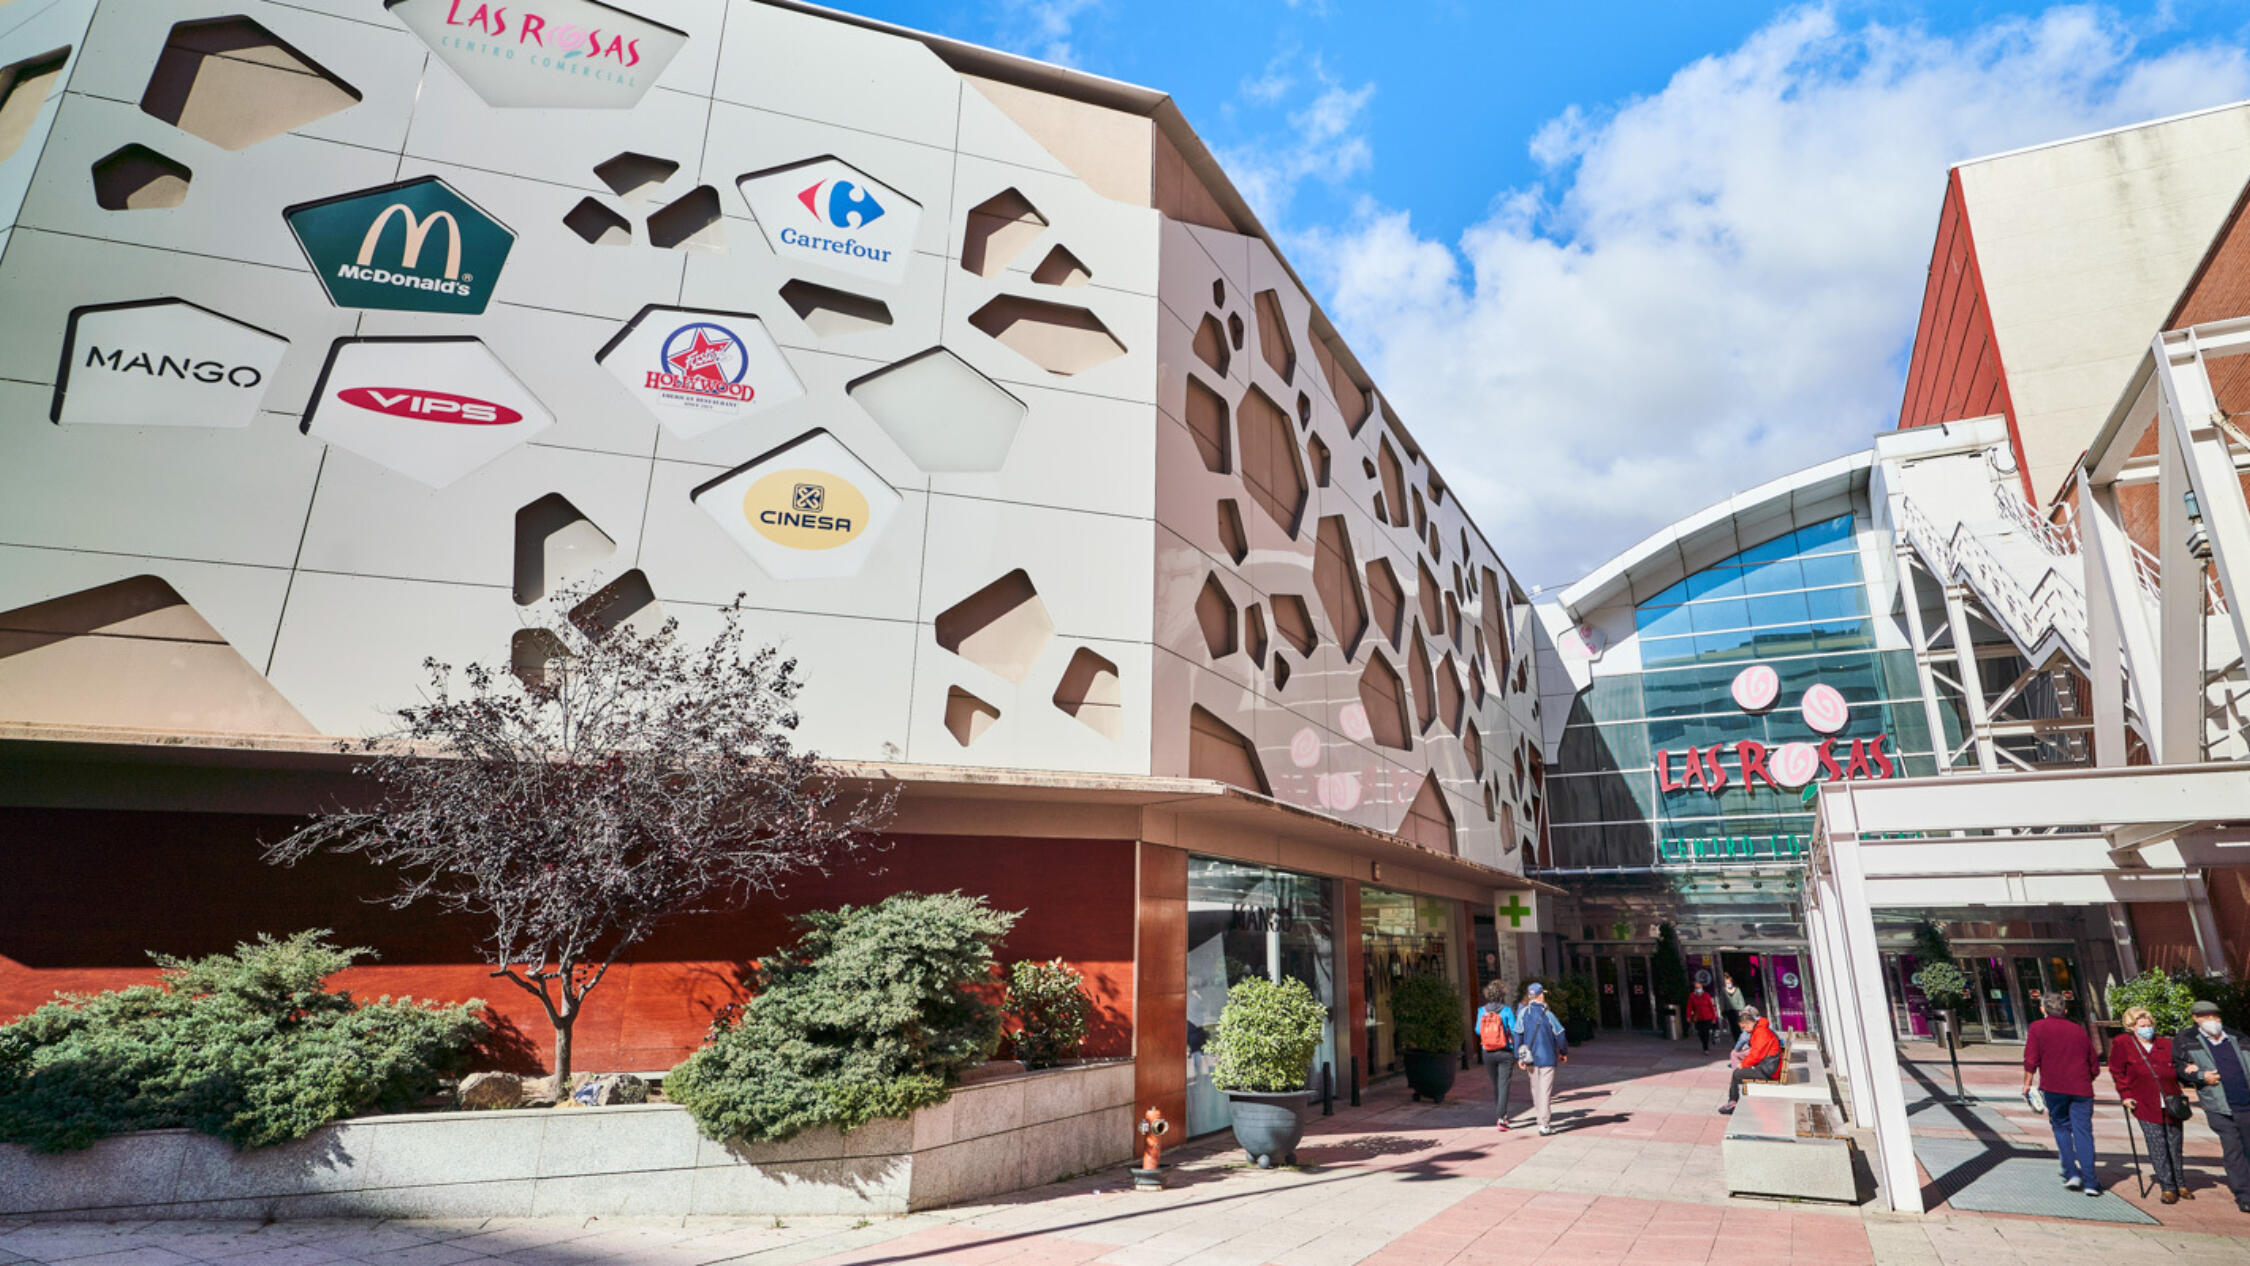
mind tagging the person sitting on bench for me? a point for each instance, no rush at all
(1761, 1060)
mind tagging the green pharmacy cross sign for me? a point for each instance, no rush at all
(416, 246)
(1515, 910)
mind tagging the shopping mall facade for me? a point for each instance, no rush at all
(340, 336)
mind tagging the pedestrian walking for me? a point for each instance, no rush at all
(2059, 1053)
(2140, 1062)
(2214, 1059)
(1731, 999)
(1541, 1048)
(1703, 1014)
(1759, 1057)
(1496, 1034)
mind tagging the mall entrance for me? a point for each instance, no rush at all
(2012, 965)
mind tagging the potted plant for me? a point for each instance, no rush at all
(1426, 1019)
(1263, 1047)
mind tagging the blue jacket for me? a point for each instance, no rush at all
(1507, 1021)
(1539, 1036)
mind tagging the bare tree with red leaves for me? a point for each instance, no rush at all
(572, 810)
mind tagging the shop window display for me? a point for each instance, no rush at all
(1249, 921)
(1400, 935)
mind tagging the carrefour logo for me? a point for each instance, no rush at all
(834, 214)
(417, 246)
(805, 509)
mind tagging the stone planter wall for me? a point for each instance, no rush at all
(996, 1135)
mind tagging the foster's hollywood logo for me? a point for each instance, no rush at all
(805, 509)
(702, 361)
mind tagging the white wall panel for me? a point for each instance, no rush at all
(243, 604)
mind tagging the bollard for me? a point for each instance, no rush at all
(1355, 1081)
(1327, 1089)
(1149, 1176)
(1464, 1054)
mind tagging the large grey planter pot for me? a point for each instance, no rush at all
(1429, 1074)
(1268, 1126)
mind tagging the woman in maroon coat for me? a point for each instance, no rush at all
(2140, 1062)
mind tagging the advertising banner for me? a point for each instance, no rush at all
(162, 362)
(831, 214)
(547, 53)
(432, 409)
(697, 371)
(807, 510)
(416, 246)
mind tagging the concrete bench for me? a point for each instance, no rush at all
(1777, 1147)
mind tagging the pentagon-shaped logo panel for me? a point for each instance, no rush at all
(808, 510)
(416, 246)
(548, 53)
(432, 409)
(697, 371)
(830, 214)
(162, 362)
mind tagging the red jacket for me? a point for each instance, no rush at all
(1701, 1008)
(2144, 1081)
(2063, 1054)
(1763, 1044)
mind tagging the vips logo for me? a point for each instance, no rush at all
(430, 406)
(829, 212)
(549, 53)
(162, 362)
(807, 510)
(416, 247)
(697, 371)
(432, 409)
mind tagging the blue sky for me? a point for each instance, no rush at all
(1615, 261)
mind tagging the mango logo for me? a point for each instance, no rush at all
(805, 509)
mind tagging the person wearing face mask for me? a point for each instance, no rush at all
(2140, 1062)
(2211, 1057)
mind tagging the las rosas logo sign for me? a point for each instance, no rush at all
(162, 362)
(807, 510)
(416, 246)
(830, 213)
(697, 371)
(432, 409)
(579, 53)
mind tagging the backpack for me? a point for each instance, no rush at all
(1492, 1031)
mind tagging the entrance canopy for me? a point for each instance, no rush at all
(2107, 837)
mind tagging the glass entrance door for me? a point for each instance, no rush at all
(1639, 1000)
(2043, 974)
(1608, 1003)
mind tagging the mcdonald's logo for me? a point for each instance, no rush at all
(347, 240)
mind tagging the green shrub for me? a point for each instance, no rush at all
(1266, 1035)
(2166, 997)
(1945, 985)
(2233, 996)
(247, 1046)
(875, 1012)
(1049, 1005)
(1426, 1013)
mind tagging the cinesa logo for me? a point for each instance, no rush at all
(840, 204)
(805, 509)
(429, 406)
(180, 367)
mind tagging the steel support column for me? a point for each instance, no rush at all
(1971, 678)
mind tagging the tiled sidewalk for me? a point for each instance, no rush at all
(1633, 1175)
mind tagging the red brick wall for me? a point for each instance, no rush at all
(1955, 370)
(90, 893)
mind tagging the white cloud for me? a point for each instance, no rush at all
(1715, 284)
(1041, 28)
(1324, 140)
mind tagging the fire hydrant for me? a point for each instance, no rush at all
(1150, 1175)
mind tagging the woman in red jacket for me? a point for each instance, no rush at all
(2140, 1062)
(1703, 1013)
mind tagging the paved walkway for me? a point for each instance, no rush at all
(1633, 1175)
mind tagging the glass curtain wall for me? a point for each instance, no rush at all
(1249, 921)
(1796, 603)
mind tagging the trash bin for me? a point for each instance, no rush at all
(1672, 1022)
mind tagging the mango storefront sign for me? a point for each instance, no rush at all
(162, 362)
(807, 510)
(545, 53)
(416, 246)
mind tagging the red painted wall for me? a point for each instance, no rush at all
(1955, 371)
(90, 893)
